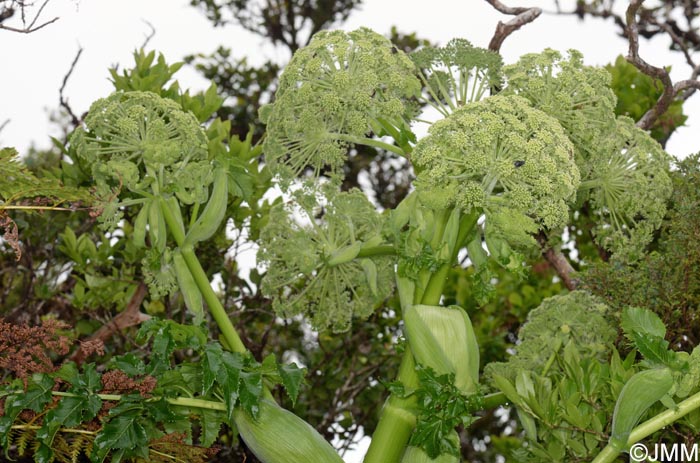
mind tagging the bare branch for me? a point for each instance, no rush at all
(131, 316)
(4, 124)
(27, 28)
(503, 30)
(506, 9)
(63, 102)
(558, 261)
(150, 35)
(654, 72)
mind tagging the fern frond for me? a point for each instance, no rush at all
(24, 436)
(81, 444)
(18, 183)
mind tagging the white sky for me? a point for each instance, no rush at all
(32, 66)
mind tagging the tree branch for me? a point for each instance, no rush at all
(31, 27)
(131, 316)
(503, 30)
(63, 102)
(150, 35)
(666, 98)
(558, 261)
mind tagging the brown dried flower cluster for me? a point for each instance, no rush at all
(25, 350)
(118, 382)
(92, 346)
(11, 236)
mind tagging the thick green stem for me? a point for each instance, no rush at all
(200, 277)
(650, 426)
(382, 250)
(397, 420)
(171, 221)
(215, 307)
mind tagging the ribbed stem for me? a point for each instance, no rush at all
(200, 277)
(215, 307)
(397, 419)
(649, 427)
(382, 250)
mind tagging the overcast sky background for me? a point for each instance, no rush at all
(32, 66)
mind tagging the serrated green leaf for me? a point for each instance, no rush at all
(268, 367)
(70, 411)
(211, 421)
(212, 363)
(654, 349)
(43, 454)
(68, 373)
(690, 380)
(229, 381)
(292, 378)
(250, 391)
(125, 434)
(642, 321)
(129, 364)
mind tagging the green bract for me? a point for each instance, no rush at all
(334, 93)
(578, 96)
(628, 189)
(142, 141)
(313, 266)
(501, 156)
(456, 74)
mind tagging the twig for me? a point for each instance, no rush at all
(27, 29)
(666, 98)
(558, 261)
(131, 316)
(4, 124)
(150, 34)
(75, 120)
(503, 30)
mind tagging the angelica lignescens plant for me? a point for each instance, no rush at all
(623, 170)
(499, 157)
(628, 190)
(334, 93)
(159, 154)
(491, 174)
(578, 96)
(456, 74)
(332, 253)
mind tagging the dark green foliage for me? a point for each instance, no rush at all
(442, 407)
(666, 280)
(289, 23)
(243, 86)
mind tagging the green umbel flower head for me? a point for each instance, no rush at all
(628, 189)
(332, 94)
(503, 157)
(456, 74)
(142, 141)
(578, 96)
(313, 266)
(575, 318)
